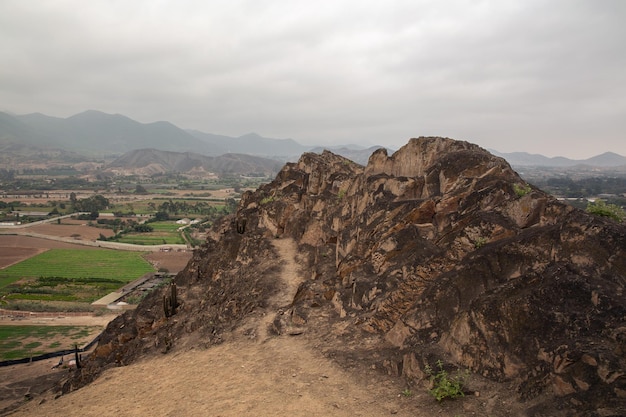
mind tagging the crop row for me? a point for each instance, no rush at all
(79, 265)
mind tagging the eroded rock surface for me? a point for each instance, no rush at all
(439, 251)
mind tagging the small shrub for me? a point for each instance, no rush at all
(267, 200)
(479, 242)
(341, 194)
(612, 211)
(521, 190)
(444, 384)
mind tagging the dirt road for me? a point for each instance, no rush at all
(59, 319)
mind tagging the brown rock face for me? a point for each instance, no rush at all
(443, 244)
(440, 251)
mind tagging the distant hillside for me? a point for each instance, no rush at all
(15, 156)
(254, 144)
(605, 160)
(96, 133)
(93, 132)
(153, 161)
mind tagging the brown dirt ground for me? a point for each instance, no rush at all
(173, 261)
(254, 375)
(70, 228)
(15, 248)
(19, 381)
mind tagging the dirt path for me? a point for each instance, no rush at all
(260, 376)
(291, 279)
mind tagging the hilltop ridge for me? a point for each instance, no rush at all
(439, 251)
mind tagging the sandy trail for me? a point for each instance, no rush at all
(264, 376)
(290, 280)
(276, 378)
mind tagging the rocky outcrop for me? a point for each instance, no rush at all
(442, 246)
(438, 251)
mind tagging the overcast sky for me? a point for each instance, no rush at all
(540, 76)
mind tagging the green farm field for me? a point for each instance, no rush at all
(164, 233)
(62, 279)
(151, 239)
(79, 263)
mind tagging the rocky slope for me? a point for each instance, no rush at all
(439, 251)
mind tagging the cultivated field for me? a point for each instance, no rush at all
(164, 233)
(16, 248)
(68, 279)
(79, 264)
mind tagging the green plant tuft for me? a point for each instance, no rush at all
(612, 211)
(267, 200)
(521, 190)
(444, 384)
(479, 242)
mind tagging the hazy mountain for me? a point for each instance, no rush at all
(217, 142)
(254, 144)
(101, 131)
(16, 155)
(607, 159)
(13, 130)
(94, 133)
(153, 161)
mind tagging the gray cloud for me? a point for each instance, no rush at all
(536, 76)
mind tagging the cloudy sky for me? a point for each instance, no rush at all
(528, 75)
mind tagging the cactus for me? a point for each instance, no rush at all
(170, 302)
(77, 357)
(241, 226)
(173, 296)
(166, 306)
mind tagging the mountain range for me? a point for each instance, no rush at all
(605, 160)
(101, 135)
(152, 161)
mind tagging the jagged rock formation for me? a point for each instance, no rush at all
(438, 251)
